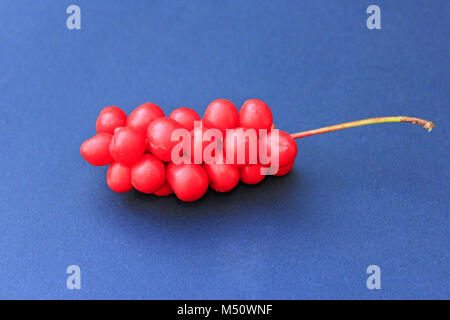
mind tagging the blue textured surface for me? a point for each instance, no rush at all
(373, 195)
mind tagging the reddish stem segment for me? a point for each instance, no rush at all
(425, 123)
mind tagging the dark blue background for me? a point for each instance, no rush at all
(373, 195)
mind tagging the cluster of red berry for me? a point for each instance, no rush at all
(139, 148)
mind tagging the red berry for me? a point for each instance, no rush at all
(127, 145)
(96, 149)
(165, 190)
(221, 114)
(222, 177)
(143, 115)
(286, 145)
(159, 137)
(109, 119)
(251, 174)
(255, 114)
(185, 117)
(285, 169)
(241, 146)
(118, 177)
(148, 174)
(188, 181)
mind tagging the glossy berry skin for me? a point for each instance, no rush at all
(118, 177)
(189, 182)
(148, 174)
(185, 117)
(109, 119)
(143, 115)
(139, 148)
(165, 190)
(287, 147)
(251, 174)
(285, 169)
(222, 177)
(159, 137)
(96, 149)
(127, 145)
(221, 114)
(255, 114)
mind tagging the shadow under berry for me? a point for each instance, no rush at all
(235, 203)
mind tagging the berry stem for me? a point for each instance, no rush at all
(425, 123)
